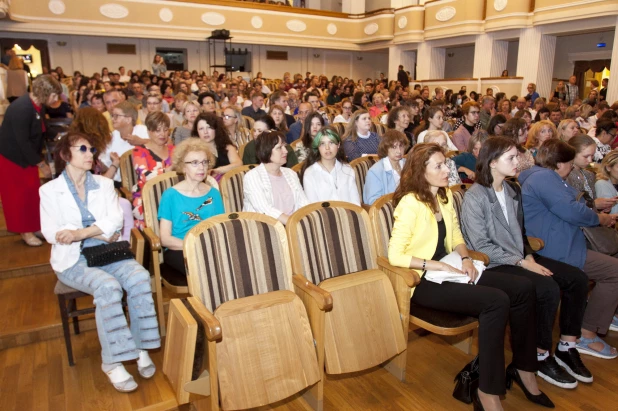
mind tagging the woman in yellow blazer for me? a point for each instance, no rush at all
(426, 229)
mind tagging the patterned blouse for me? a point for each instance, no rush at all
(147, 165)
(526, 160)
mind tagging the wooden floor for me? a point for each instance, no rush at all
(34, 372)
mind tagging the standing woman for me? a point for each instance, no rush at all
(210, 128)
(425, 231)
(21, 142)
(358, 138)
(327, 176)
(158, 65)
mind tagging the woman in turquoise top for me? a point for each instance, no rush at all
(187, 203)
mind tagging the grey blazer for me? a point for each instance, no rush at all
(485, 228)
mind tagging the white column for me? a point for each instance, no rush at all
(438, 62)
(396, 56)
(483, 53)
(536, 60)
(499, 58)
(612, 87)
(352, 7)
(430, 61)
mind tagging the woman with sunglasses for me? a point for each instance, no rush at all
(80, 210)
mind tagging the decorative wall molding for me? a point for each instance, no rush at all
(257, 22)
(296, 25)
(402, 22)
(500, 5)
(213, 19)
(331, 29)
(446, 13)
(590, 55)
(57, 7)
(371, 28)
(114, 11)
(166, 15)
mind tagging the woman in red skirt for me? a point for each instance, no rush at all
(21, 142)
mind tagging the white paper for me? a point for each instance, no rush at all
(454, 260)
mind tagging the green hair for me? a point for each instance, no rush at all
(325, 132)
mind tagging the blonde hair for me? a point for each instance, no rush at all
(610, 160)
(562, 126)
(186, 105)
(535, 130)
(584, 111)
(187, 146)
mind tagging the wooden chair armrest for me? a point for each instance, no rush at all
(408, 275)
(477, 255)
(322, 298)
(137, 245)
(212, 326)
(536, 243)
(153, 239)
(124, 192)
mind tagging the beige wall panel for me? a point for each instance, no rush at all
(467, 19)
(512, 7)
(511, 87)
(414, 18)
(551, 11)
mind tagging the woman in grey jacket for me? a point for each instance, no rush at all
(492, 223)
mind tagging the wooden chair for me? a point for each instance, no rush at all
(67, 298)
(259, 347)
(128, 175)
(380, 129)
(232, 188)
(382, 219)
(339, 127)
(332, 246)
(452, 153)
(297, 169)
(248, 122)
(361, 166)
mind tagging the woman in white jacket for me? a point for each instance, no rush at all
(270, 188)
(81, 210)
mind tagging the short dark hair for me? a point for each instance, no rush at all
(62, 149)
(156, 119)
(202, 96)
(309, 94)
(552, 152)
(491, 150)
(265, 143)
(604, 125)
(389, 139)
(276, 96)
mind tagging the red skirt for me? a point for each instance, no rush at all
(19, 192)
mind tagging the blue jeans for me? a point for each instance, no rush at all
(118, 342)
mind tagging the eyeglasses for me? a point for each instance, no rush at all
(115, 116)
(196, 163)
(228, 116)
(474, 112)
(83, 148)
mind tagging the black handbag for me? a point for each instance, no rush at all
(467, 381)
(603, 240)
(105, 254)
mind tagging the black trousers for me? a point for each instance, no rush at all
(175, 259)
(496, 299)
(573, 283)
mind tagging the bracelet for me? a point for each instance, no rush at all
(114, 165)
(424, 264)
(466, 258)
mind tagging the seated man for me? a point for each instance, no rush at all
(255, 109)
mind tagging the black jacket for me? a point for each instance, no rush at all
(402, 77)
(21, 135)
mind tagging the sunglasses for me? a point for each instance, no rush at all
(84, 148)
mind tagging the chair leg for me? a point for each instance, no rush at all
(73, 307)
(397, 365)
(156, 270)
(65, 327)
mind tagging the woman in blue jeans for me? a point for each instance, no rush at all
(81, 210)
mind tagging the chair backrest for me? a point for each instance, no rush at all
(244, 135)
(231, 187)
(297, 169)
(458, 192)
(248, 122)
(361, 166)
(380, 129)
(295, 143)
(452, 153)
(236, 255)
(128, 175)
(330, 239)
(340, 127)
(151, 197)
(382, 217)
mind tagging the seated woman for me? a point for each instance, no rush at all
(553, 214)
(524, 115)
(492, 223)
(585, 110)
(262, 124)
(271, 188)
(604, 135)
(504, 108)
(434, 120)
(78, 211)
(517, 130)
(440, 138)
(607, 179)
(278, 114)
(210, 128)
(399, 119)
(326, 175)
(154, 103)
(233, 122)
(187, 203)
(466, 162)
(496, 124)
(190, 110)
(426, 230)
(358, 139)
(541, 114)
(384, 176)
(151, 159)
(314, 122)
(378, 106)
(346, 112)
(540, 132)
(567, 129)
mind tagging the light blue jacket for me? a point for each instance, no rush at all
(605, 189)
(378, 182)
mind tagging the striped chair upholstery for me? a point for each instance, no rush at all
(361, 166)
(152, 192)
(385, 214)
(334, 240)
(231, 187)
(237, 256)
(128, 175)
(458, 192)
(248, 122)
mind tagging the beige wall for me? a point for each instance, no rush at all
(581, 43)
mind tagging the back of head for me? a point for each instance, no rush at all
(580, 142)
(604, 125)
(552, 152)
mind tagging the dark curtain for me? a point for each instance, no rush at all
(25, 44)
(581, 67)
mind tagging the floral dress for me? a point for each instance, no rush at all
(147, 165)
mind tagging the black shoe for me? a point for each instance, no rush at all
(476, 401)
(550, 371)
(513, 375)
(573, 364)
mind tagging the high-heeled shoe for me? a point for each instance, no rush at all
(513, 375)
(476, 401)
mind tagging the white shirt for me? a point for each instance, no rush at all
(502, 201)
(124, 79)
(121, 146)
(592, 120)
(336, 185)
(389, 167)
(514, 111)
(341, 119)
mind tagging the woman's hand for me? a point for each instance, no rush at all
(531, 265)
(604, 203)
(115, 159)
(469, 269)
(607, 220)
(449, 268)
(67, 237)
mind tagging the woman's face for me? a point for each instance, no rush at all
(403, 120)
(327, 148)
(585, 156)
(523, 136)
(347, 110)
(563, 107)
(606, 137)
(153, 104)
(279, 155)
(205, 132)
(545, 134)
(196, 166)
(437, 120)
(476, 149)
(363, 123)
(278, 116)
(79, 159)
(571, 130)
(527, 118)
(378, 100)
(436, 171)
(229, 117)
(498, 129)
(505, 106)
(395, 152)
(439, 140)
(613, 173)
(258, 128)
(561, 85)
(316, 126)
(209, 105)
(160, 135)
(414, 110)
(544, 116)
(506, 164)
(191, 113)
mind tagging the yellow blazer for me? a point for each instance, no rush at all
(415, 232)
